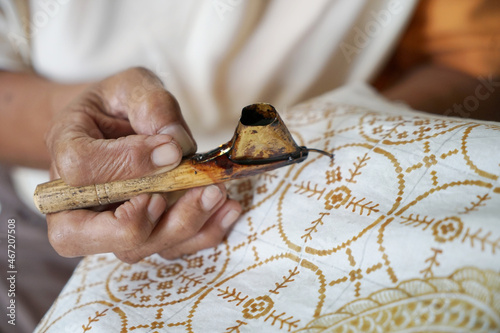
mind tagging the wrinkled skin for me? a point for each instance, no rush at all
(123, 127)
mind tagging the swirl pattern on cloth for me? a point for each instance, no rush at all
(399, 232)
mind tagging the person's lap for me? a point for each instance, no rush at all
(40, 271)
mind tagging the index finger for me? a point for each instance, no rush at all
(139, 96)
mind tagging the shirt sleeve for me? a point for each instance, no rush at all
(14, 40)
(460, 34)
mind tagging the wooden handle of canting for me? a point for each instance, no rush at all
(56, 195)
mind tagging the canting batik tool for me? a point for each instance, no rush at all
(261, 142)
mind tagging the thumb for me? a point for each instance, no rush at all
(125, 126)
(86, 160)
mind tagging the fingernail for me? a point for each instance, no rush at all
(181, 136)
(210, 197)
(165, 154)
(229, 219)
(156, 207)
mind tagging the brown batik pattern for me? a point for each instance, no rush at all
(400, 231)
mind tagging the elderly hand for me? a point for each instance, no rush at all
(127, 126)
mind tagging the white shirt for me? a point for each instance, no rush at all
(215, 56)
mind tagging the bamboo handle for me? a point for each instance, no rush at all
(56, 195)
(261, 143)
